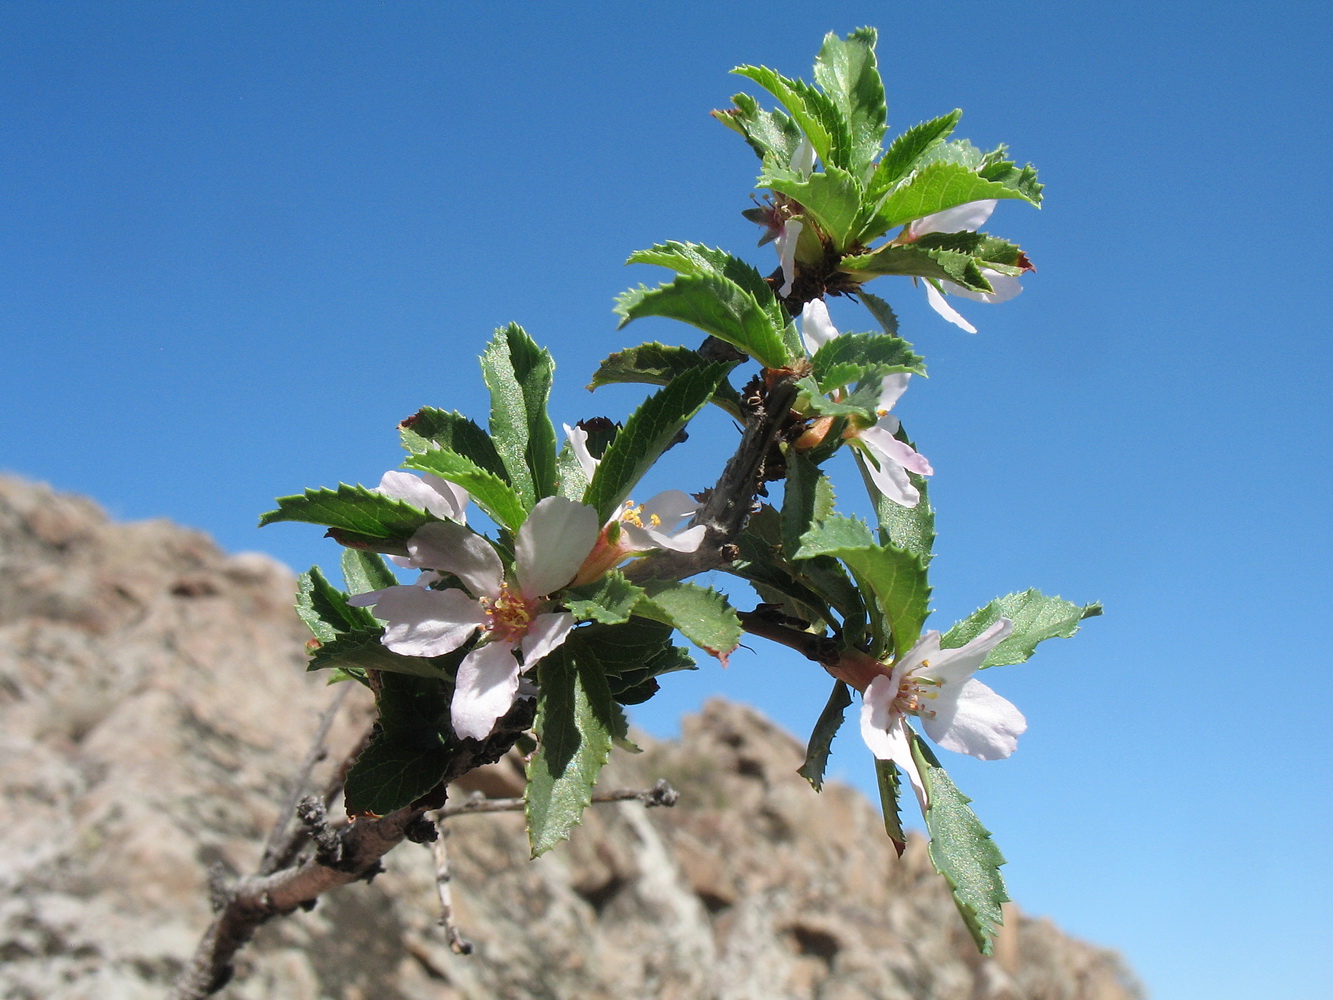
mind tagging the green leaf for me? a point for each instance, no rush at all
(698, 259)
(769, 133)
(409, 753)
(357, 514)
(909, 528)
(366, 571)
(657, 364)
(896, 577)
(648, 432)
(429, 428)
(716, 305)
(832, 198)
(700, 614)
(962, 851)
(1023, 180)
(633, 655)
(821, 739)
(925, 258)
(324, 608)
(846, 70)
(365, 650)
(518, 374)
(886, 775)
(860, 405)
(491, 493)
(906, 150)
(937, 187)
(853, 357)
(576, 724)
(881, 310)
(1036, 618)
(608, 600)
(814, 112)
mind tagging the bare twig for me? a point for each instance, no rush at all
(458, 944)
(661, 794)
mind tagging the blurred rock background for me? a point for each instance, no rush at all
(154, 708)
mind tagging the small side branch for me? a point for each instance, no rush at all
(661, 794)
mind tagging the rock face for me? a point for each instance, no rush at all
(154, 707)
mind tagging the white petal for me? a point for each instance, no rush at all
(937, 303)
(975, 721)
(886, 447)
(452, 548)
(672, 508)
(688, 540)
(891, 481)
(954, 666)
(803, 157)
(486, 686)
(430, 493)
(424, 622)
(785, 242)
(544, 634)
(885, 732)
(1006, 287)
(890, 390)
(817, 327)
(578, 443)
(552, 544)
(968, 217)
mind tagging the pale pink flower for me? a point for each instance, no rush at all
(962, 218)
(549, 548)
(956, 710)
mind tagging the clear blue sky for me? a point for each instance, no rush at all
(241, 241)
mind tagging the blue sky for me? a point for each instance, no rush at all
(241, 241)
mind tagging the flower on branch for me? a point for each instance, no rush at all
(513, 615)
(961, 218)
(956, 710)
(429, 492)
(802, 162)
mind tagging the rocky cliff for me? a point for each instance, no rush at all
(154, 707)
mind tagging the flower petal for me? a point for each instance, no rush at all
(544, 634)
(803, 157)
(785, 242)
(891, 389)
(817, 327)
(937, 303)
(578, 443)
(1005, 286)
(552, 544)
(975, 721)
(954, 666)
(968, 217)
(486, 686)
(430, 493)
(452, 548)
(886, 734)
(423, 622)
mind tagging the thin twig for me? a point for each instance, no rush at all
(458, 944)
(661, 794)
(275, 845)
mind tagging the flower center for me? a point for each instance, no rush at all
(913, 691)
(633, 514)
(509, 615)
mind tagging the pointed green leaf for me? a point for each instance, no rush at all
(832, 198)
(1036, 618)
(576, 723)
(324, 608)
(881, 310)
(698, 259)
(856, 356)
(364, 650)
(366, 571)
(962, 851)
(657, 364)
(821, 739)
(886, 775)
(769, 133)
(904, 153)
(700, 614)
(817, 116)
(518, 374)
(430, 428)
(715, 305)
(897, 577)
(648, 432)
(608, 600)
(357, 513)
(491, 493)
(846, 69)
(937, 187)
(923, 259)
(390, 775)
